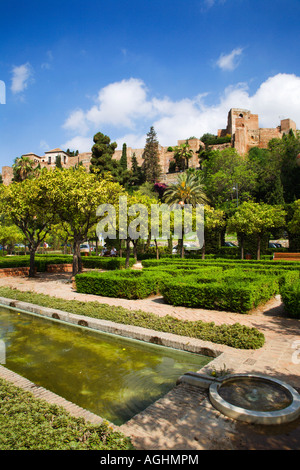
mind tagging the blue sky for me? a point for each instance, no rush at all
(72, 68)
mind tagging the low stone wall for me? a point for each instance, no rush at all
(8, 272)
(59, 268)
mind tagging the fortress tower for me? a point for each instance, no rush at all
(246, 133)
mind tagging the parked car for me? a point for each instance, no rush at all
(275, 245)
(187, 246)
(85, 248)
(229, 244)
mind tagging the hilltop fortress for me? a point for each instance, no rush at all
(242, 126)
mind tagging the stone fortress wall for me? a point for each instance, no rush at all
(241, 125)
(246, 133)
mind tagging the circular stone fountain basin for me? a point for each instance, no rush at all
(255, 399)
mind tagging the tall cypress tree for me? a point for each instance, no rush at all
(136, 174)
(123, 159)
(102, 152)
(151, 165)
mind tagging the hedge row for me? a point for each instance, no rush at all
(290, 295)
(41, 262)
(232, 290)
(236, 296)
(217, 273)
(220, 262)
(119, 284)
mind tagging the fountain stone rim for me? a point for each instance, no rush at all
(285, 415)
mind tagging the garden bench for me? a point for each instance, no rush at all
(286, 256)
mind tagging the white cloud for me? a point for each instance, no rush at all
(128, 110)
(135, 141)
(228, 61)
(80, 143)
(22, 74)
(118, 104)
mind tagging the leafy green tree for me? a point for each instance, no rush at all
(30, 207)
(151, 164)
(72, 153)
(225, 171)
(102, 161)
(267, 167)
(9, 235)
(214, 224)
(136, 174)
(76, 195)
(294, 224)
(102, 152)
(256, 219)
(285, 151)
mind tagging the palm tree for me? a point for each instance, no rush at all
(23, 168)
(182, 155)
(188, 189)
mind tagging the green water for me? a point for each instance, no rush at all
(110, 376)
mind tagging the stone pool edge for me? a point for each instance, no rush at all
(132, 332)
(170, 340)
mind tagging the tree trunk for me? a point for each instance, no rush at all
(181, 248)
(242, 247)
(170, 244)
(258, 247)
(127, 253)
(77, 262)
(135, 242)
(203, 249)
(148, 242)
(31, 262)
(156, 249)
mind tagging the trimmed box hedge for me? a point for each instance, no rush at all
(41, 262)
(127, 284)
(229, 290)
(236, 296)
(225, 263)
(290, 295)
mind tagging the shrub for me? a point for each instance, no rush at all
(29, 423)
(290, 295)
(236, 296)
(127, 284)
(41, 261)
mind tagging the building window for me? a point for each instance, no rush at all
(49, 159)
(65, 159)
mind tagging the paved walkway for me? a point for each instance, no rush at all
(186, 418)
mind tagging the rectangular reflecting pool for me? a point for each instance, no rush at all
(111, 376)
